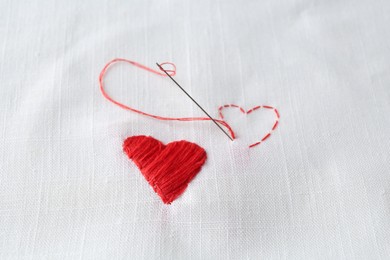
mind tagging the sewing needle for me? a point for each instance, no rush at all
(204, 111)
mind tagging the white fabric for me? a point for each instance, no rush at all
(318, 188)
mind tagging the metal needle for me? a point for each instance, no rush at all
(204, 111)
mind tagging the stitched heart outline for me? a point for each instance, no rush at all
(249, 111)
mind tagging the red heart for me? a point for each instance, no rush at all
(247, 112)
(168, 168)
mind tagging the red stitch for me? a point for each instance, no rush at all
(252, 145)
(265, 137)
(277, 113)
(219, 112)
(168, 168)
(275, 125)
(269, 107)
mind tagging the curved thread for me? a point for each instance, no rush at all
(172, 73)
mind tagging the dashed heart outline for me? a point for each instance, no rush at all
(249, 111)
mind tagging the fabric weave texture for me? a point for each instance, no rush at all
(318, 188)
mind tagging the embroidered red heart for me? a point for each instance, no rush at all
(168, 168)
(247, 112)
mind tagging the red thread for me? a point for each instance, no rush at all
(277, 113)
(168, 168)
(254, 144)
(172, 72)
(275, 125)
(265, 137)
(101, 77)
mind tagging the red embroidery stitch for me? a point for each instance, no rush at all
(277, 117)
(172, 73)
(168, 168)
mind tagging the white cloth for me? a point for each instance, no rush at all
(319, 187)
